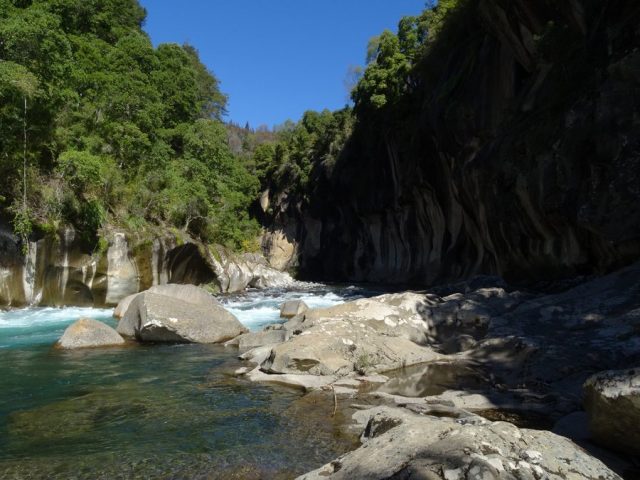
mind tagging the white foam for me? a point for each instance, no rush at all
(31, 317)
(258, 308)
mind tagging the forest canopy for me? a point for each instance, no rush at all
(99, 127)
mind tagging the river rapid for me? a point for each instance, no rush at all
(154, 411)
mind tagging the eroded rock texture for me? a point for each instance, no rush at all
(60, 269)
(401, 445)
(518, 155)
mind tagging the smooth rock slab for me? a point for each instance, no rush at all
(159, 318)
(292, 308)
(88, 333)
(612, 401)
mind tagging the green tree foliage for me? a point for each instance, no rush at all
(391, 59)
(301, 149)
(119, 132)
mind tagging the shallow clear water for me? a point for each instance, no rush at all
(152, 411)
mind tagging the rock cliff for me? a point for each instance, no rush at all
(519, 155)
(58, 269)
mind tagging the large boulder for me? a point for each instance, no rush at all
(404, 445)
(86, 333)
(612, 401)
(367, 335)
(152, 317)
(187, 293)
(261, 339)
(338, 347)
(292, 308)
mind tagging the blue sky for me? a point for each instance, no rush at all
(277, 58)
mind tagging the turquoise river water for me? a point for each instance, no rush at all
(153, 411)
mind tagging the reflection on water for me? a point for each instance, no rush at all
(155, 412)
(150, 411)
(431, 379)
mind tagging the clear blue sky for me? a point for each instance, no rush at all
(277, 58)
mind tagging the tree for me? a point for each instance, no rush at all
(116, 131)
(17, 82)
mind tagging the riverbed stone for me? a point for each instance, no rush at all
(88, 333)
(292, 308)
(152, 317)
(612, 401)
(398, 443)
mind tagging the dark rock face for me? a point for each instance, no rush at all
(612, 401)
(520, 156)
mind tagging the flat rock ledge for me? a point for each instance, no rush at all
(89, 333)
(401, 444)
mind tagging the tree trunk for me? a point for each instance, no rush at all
(24, 158)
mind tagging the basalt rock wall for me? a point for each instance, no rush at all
(518, 155)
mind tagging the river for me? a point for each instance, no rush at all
(153, 411)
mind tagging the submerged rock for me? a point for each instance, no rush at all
(292, 308)
(195, 317)
(612, 401)
(87, 333)
(400, 444)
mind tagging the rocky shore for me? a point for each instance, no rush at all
(536, 359)
(470, 381)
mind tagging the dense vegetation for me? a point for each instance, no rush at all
(99, 128)
(316, 140)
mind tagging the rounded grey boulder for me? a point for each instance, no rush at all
(292, 308)
(87, 333)
(612, 401)
(153, 317)
(123, 305)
